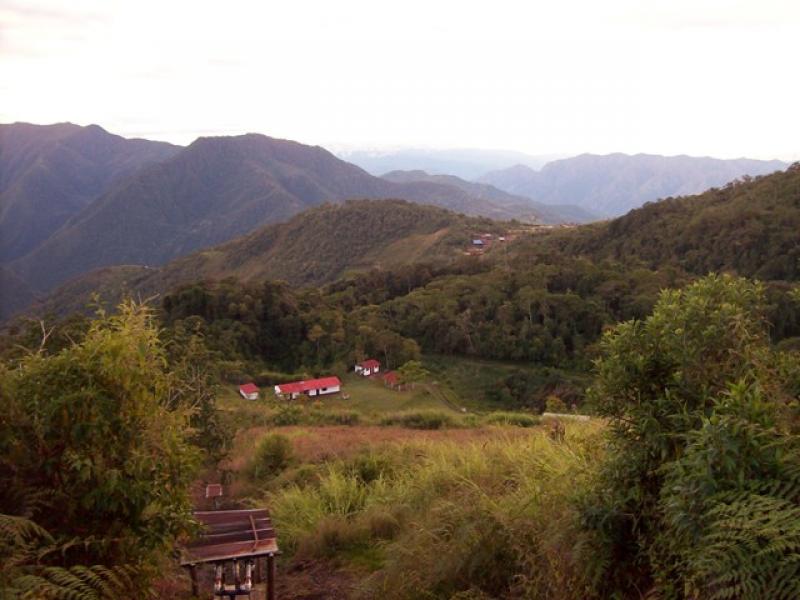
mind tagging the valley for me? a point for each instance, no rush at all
(546, 389)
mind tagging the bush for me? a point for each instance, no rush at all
(554, 404)
(420, 420)
(273, 455)
(513, 419)
(699, 497)
(287, 414)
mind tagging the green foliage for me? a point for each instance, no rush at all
(412, 372)
(554, 404)
(22, 545)
(514, 419)
(273, 455)
(748, 227)
(703, 440)
(93, 444)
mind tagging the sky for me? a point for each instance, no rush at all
(698, 77)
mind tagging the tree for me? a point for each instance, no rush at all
(702, 449)
(93, 445)
(412, 372)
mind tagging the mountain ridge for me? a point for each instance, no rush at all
(612, 184)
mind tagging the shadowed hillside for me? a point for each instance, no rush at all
(215, 190)
(50, 173)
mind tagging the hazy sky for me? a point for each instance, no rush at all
(701, 77)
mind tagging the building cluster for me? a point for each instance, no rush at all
(324, 385)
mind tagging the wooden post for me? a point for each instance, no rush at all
(259, 570)
(271, 577)
(193, 575)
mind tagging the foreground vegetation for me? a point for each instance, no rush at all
(687, 486)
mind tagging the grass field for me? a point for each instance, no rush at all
(456, 383)
(369, 397)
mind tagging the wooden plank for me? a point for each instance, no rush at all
(231, 534)
(237, 536)
(211, 517)
(232, 526)
(237, 550)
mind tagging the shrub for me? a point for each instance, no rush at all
(430, 419)
(273, 455)
(697, 497)
(94, 447)
(511, 418)
(287, 414)
(554, 404)
(331, 536)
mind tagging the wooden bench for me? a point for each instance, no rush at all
(236, 537)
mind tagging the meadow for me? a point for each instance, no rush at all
(406, 475)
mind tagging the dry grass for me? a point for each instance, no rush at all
(320, 444)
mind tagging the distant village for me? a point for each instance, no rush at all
(482, 242)
(327, 385)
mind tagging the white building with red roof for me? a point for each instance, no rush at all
(312, 387)
(368, 367)
(249, 391)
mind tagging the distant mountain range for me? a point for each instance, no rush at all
(751, 228)
(545, 213)
(465, 163)
(74, 199)
(92, 199)
(613, 184)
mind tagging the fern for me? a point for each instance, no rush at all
(23, 577)
(751, 549)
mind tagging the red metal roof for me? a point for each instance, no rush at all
(370, 363)
(312, 384)
(248, 388)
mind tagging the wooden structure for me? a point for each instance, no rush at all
(238, 539)
(214, 493)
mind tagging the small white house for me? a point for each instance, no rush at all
(249, 391)
(312, 387)
(368, 367)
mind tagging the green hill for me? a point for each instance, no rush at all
(315, 247)
(751, 227)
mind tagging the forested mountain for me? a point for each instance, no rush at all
(546, 213)
(212, 191)
(50, 173)
(466, 163)
(613, 184)
(750, 227)
(315, 247)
